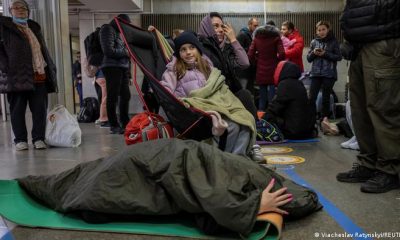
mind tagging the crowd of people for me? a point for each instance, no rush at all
(265, 56)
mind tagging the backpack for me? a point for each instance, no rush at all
(268, 132)
(147, 126)
(90, 110)
(93, 49)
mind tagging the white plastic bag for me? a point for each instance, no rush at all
(62, 129)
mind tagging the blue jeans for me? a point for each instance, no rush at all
(267, 92)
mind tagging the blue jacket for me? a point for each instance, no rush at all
(324, 66)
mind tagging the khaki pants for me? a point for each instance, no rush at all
(375, 104)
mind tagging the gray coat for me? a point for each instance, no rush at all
(16, 68)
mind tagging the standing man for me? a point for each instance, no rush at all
(115, 67)
(247, 76)
(77, 77)
(28, 74)
(373, 30)
(293, 53)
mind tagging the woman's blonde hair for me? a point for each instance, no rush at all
(323, 23)
(201, 64)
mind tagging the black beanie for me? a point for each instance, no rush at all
(124, 17)
(187, 37)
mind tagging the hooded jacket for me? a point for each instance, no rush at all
(295, 52)
(265, 51)
(290, 109)
(228, 58)
(192, 80)
(16, 68)
(325, 66)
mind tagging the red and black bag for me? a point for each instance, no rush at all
(147, 126)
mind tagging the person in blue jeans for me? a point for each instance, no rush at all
(324, 54)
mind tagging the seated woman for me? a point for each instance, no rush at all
(191, 76)
(291, 110)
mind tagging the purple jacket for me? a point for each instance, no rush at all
(192, 80)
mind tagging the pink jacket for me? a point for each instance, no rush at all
(192, 80)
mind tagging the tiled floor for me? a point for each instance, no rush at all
(372, 212)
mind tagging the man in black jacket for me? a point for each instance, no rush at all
(373, 29)
(247, 76)
(115, 67)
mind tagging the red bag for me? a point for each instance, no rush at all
(147, 126)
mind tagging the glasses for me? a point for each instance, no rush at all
(19, 8)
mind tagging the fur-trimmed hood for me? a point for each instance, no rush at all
(267, 31)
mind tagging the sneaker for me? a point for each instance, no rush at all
(40, 144)
(105, 124)
(348, 142)
(116, 130)
(354, 146)
(97, 122)
(21, 146)
(357, 174)
(256, 154)
(380, 183)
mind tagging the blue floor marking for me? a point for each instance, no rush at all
(345, 222)
(5, 234)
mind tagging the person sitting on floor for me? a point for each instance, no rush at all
(191, 76)
(290, 109)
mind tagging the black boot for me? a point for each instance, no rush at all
(357, 174)
(380, 183)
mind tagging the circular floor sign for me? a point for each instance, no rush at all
(283, 159)
(276, 150)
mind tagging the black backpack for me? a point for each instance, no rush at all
(90, 110)
(94, 54)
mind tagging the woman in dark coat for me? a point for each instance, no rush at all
(27, 74)
(265, 51)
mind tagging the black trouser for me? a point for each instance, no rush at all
(247, 100)
(37, 100)
(117, 83)
(327, 86)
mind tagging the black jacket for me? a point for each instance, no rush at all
(224, 60)
(113, 47)
(290, 109)
(16, 68)
(324, 66)
(365, 21)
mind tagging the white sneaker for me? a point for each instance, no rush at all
(354, 146)
(348, 142)
(21, 146)
(40, 144)
(256, 153)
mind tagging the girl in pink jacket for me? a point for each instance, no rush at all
(188, 71)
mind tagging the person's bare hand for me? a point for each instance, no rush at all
(229, 32)
(151, 28)
(270, 202)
